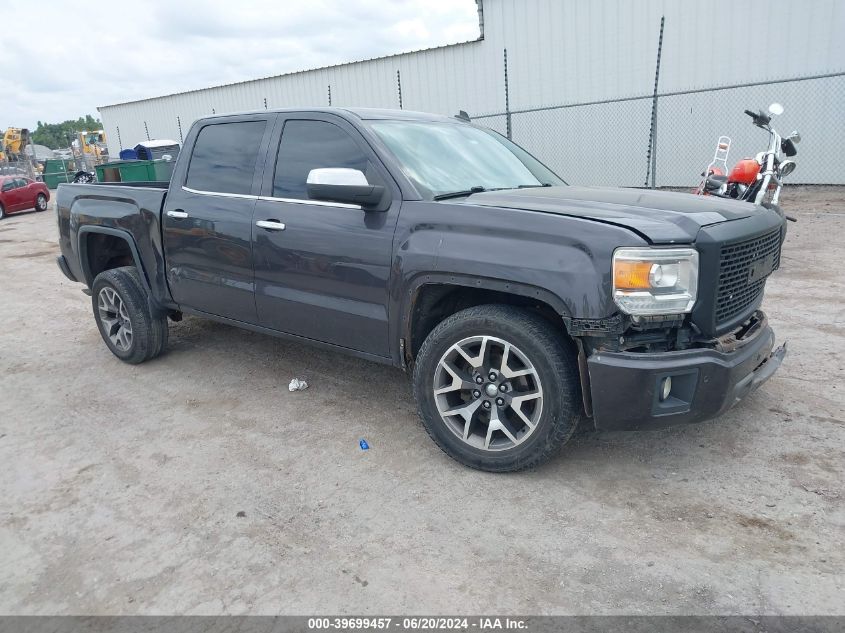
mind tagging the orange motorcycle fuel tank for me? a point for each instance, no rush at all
(745, 171)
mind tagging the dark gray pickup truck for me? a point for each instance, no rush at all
(519, 303)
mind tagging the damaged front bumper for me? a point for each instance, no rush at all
(628, 389)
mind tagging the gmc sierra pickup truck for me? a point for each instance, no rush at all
(519, 304)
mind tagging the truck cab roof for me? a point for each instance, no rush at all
(364, 114)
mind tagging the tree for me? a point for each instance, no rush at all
(60, 135)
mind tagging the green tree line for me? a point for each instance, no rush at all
(59, 135)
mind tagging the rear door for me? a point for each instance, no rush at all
(324, 276)
(28, 193)
(207, 217)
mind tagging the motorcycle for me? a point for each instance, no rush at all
(752, 179)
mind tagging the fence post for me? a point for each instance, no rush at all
(179, 123)
(652, 134)
(330, 94)
(399, 86)
(654, 142)
(147, 130)
(119, 142)
(507, 99)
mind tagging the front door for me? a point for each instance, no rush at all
(208, 216)
(324, 275)
(15, 195)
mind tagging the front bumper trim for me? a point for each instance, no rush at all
(706, 382)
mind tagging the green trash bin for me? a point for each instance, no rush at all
(136, 171)
(108, 172)
(55, 179)
(163, 169)
(57, 171)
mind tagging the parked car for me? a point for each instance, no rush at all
(518, 303)
(19, 194)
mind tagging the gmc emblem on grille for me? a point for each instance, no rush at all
(761, 269)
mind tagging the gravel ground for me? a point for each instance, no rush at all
(197, 484)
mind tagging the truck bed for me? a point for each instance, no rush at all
(152, 184)
(131, 211)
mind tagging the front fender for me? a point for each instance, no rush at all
(562, 261)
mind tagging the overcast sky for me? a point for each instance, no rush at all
(63, 59)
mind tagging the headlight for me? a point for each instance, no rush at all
(655, 280)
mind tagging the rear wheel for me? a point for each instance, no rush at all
(2, 212)
(41, 202)
(497, 388)
(123, 316)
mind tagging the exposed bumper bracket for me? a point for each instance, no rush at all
(626, 386)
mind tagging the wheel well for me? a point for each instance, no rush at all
(104, 252)
(435, 302)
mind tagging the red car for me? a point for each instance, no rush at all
(18, 194)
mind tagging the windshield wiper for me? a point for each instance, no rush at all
(459, 194)
(479, 189)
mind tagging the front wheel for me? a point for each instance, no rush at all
(41, 202)
(128, 327)
(497, 388)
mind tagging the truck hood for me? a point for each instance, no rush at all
(661, 217)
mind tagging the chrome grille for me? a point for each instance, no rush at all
(743, 269)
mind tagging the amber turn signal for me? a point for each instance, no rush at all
(631, 275)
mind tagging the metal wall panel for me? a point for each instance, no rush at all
(559, 51)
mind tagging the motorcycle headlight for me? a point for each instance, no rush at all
(650, 281)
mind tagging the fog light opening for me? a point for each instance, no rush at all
(665, 388)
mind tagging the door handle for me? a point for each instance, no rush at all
(271, 225)
(178, 214)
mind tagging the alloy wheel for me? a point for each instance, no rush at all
(488, 393)
(115, 318)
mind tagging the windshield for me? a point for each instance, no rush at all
(442, 158)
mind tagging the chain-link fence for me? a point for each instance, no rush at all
(23, 167)
(50, 168)
(607, 142)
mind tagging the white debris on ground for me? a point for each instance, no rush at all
(297, 385)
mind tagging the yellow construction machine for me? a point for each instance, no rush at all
(14, 141)
(93, 143)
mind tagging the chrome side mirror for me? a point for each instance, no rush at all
(345, 186)
(336, 176)
(795, 137)
(776, 109)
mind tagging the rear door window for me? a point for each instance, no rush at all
(224, 157)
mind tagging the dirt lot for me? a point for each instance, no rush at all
(197, 483)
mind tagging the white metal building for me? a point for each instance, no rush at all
(576, 52)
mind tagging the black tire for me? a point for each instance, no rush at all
(2, 212)
(553, 358)
(148, 331)
(41, 202)
(83, 177)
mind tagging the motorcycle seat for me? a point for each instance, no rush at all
(714, 182)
